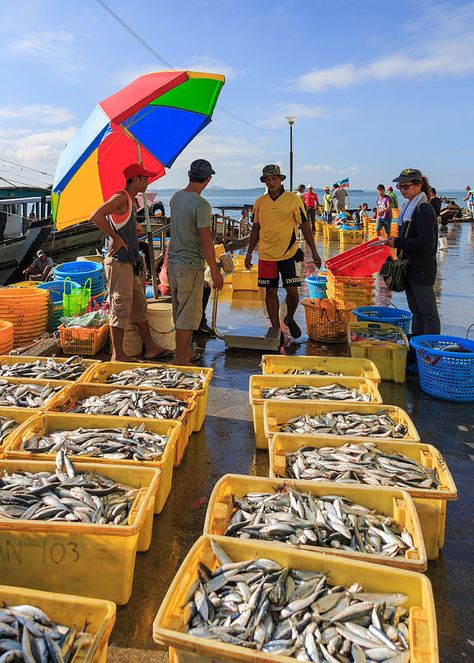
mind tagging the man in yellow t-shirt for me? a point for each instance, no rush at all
(277, 216)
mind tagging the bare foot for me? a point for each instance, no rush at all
(157, 352)
(122, 358)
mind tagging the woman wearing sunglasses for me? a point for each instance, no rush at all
(418, 239)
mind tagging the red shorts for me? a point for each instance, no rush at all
(269, 271)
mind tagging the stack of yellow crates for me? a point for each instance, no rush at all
(360, 291)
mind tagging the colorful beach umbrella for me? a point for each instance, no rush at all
(150, 120)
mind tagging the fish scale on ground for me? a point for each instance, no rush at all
(261, 605)
(127, 443)
(298, 518)
(64, 496)
(45, 369)
(335, 392)
(158, 376)
(359, 463)
(28, 634)
(25, 395)
(130, 403)
(355, 424)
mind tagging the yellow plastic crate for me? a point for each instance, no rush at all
(18, 414)
(245, 279)
(330, 233)
(238, 260)
(68, 398)
(430, 503)
(94, 616)
(259, 382)
(347, 237)
(23, 359)
(52, 383)
(80, 558)
(281, 364)
(318, 226)
(99, 373)
(47, 423)
(277, 413)
(390, 358)
(169, 624)
(394, 503)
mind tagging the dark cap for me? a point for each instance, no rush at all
(272, 169)
(409, 175)
(201, 168)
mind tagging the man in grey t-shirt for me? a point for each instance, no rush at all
(190, 246)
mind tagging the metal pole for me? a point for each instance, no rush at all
(151, 250)
(291, 157)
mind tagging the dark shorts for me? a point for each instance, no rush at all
(269, 270)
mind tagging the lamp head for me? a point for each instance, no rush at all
(290, 119)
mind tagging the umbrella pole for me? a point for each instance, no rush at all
(151, 250)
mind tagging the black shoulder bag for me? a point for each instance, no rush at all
(394, 272)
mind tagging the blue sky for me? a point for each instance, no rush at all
(375, 86)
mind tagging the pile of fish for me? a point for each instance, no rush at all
(259, 604)
(25, 395)
(134, 443)
(453, 347)
(356, 424)
(6, 427)
(165, 377)
(28, 634)
(359, 463)
(309, 371)
(329, 392)
(128, 403)
(65, 496)
(379, 335)
(45, 369)
(331, 521)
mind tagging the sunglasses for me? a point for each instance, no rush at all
(402, 187)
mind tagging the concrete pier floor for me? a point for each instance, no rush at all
(226, 444)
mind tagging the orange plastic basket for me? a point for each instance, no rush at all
(79, 341)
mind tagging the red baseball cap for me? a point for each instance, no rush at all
(137, 170)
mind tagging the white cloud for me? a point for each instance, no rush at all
(37, 43)
(277, 119)
(203, 64)
(37, 113)
(37, 149)
(315, 168)
(446, 51)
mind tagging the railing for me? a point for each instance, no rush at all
(16, 214)
(225, 228)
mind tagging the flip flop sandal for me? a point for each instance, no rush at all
(164, 354)
(295, 331)
(196, 356)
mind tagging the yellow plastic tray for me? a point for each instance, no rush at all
(93, 616)
(245, 279)
(390, 358)
(394, 503)
(280, 364)
(23, 359)
(51, 383)
(68, 397)
(79, 558)
(277, 413)
(330, 233)
(259, 382)
(100, 373)
(46, 423)
(430, 503)
(18, 414)
(169, 623)
(347, 237)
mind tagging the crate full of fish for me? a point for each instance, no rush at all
(75, 527)
(386, 345)
(305, 388)
(338, 519)
(34, 621)
(353, 421)
(10, 419)
(293, 604)
(313, 365)
(416, 467)
(44, 368)
(113, 440)
(28, 393)
(83, 400)
(446, 366)
(163, 376)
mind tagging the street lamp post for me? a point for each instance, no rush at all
(291, 120)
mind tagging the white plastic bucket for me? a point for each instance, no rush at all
(160, 319)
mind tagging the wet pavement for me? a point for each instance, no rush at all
(226, 444)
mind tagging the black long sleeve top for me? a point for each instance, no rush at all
(420, 244)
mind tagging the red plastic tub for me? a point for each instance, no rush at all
(363, 260)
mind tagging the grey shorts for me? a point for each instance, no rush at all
(186, 285)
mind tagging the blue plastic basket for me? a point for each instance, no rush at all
(443, 374)
(316, 286)
(56, 289)
(392, 316)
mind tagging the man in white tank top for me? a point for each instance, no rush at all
(117, 219)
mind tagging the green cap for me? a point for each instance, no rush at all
(271, 169)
